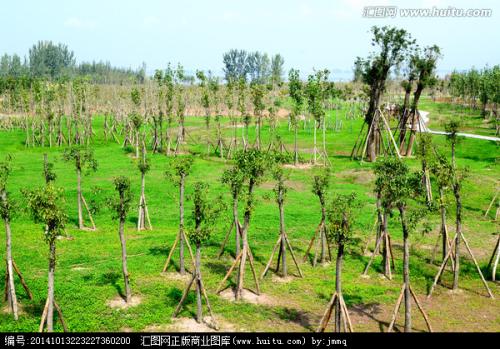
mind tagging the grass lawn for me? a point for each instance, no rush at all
(88, 272)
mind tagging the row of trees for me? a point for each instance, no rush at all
(396, 187)
(255, 66)
(477, 86)
(54, 61)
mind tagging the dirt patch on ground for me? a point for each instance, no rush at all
(295, 185)
(119, 302)
(304, 166)
(282, 280)
(249, 297)
(190, 325)
(177, 276)
(448, 311)
(20, 309)
(357, 176)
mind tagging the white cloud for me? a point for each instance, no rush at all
(78, 23)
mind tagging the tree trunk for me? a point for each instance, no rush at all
(444, 231)
(315, 148)
(406, 270)
(338, 287)
(295, 145)
(10, 272)
(244, 236)
(79, 194)
(50, 293)
(199, 309)
(236, 225)
(282, 232)
(372, 120)
(456, 272)
(181, 226)
(324, 245)
(142, 204)
(124, 260)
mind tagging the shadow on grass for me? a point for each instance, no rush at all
(299, 317)
(111, 278)
(157, 251)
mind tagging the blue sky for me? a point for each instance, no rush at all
(309, 34)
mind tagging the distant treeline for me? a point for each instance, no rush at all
(47, 60)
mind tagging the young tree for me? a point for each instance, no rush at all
(397, 185)
(457, 177)
(46, 206)
(321, 182)
(258, 93)
(5, 211)
(252, 164)
(83, 159)
(136, 118)
(442, 171)
(204, 216)
(205, 102)
(296, 92)
(242, 108)
(316, 94)
(143, 221)
(280, 191)
(233, 177)
(424, 153)
(169, 80)
(157, 145)
(180, 168)
(122, 206)
(230, 104)
(383, 241)
(340, 216)
(180, 109)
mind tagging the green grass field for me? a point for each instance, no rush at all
(88, 272)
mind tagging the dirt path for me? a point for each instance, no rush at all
(424, 119)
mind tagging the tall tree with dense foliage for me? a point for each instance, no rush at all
(277, 63)
(393, 44)
(425, 66)
(50, 60)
